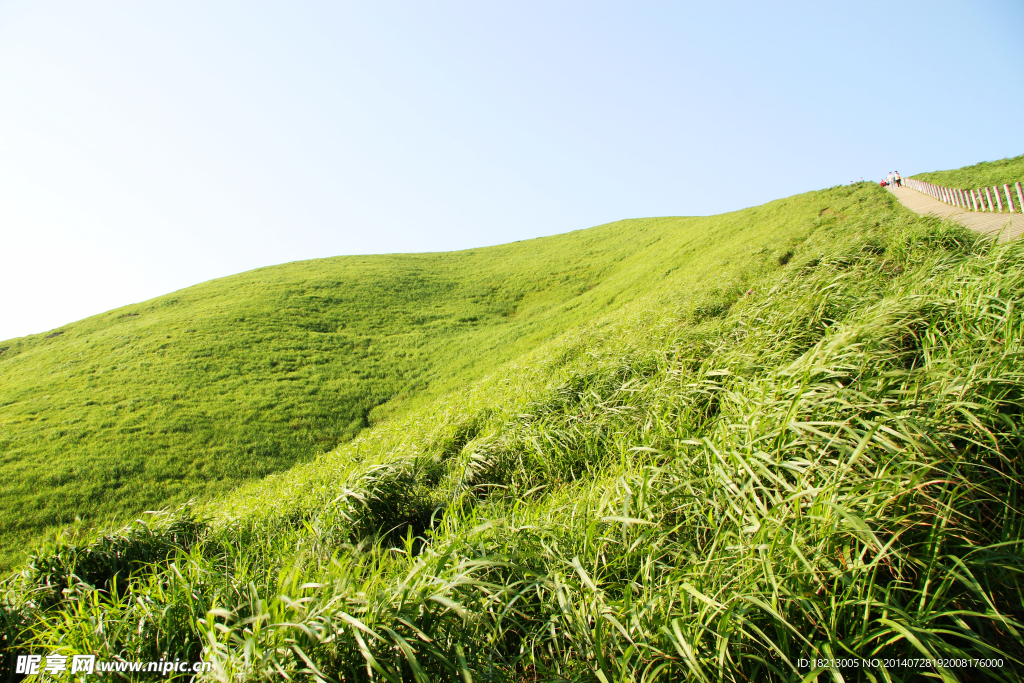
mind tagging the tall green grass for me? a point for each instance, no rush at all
(821, 461)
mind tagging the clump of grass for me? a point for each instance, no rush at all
(827, 468)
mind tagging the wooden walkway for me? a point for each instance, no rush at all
(1006, 225)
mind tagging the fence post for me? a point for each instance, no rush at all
(988, 196)
(1020, 197)
(974, 200)
(1009, 198)
(999, 201)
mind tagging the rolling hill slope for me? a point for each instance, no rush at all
(193, 393)
(987, 173)
(778, 444)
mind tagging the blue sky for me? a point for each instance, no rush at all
(145, 147)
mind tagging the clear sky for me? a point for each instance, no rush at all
(149, 146)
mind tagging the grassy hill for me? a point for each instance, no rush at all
(191, 394)
(986, 174)
(788, 433)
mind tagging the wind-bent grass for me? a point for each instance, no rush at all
(824, 464)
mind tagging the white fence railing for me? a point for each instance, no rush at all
(980, 199)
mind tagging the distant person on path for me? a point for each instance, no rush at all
(896, 178)
(888, 178)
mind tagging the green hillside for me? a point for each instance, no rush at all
(191, 394)
(726, 448)
(985, 174)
